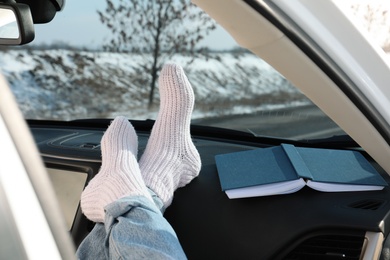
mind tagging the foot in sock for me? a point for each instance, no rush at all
(119, 175)
(170, 160)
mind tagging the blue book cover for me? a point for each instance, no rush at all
(286, 168)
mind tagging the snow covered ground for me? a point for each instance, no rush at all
(66, 84)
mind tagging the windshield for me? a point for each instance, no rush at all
(87, 64)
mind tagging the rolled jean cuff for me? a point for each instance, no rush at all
(134, 228)
(137, 227)
(157, 201)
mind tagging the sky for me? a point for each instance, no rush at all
(78, 24)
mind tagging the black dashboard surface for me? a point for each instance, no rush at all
(208, 224)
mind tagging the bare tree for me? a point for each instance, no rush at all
(157, 30)
(375, 18)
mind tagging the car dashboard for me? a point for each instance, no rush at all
(307, 224)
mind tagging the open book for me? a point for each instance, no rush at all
(286, 169)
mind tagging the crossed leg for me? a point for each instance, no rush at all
(118, 195)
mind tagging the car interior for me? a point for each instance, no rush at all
(304, 225)
(210, 225)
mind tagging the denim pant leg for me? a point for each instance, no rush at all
(134, 228)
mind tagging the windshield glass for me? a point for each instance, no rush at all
(87, 64)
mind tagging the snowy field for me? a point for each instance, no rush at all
(65, 84)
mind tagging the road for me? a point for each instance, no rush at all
(303, 122)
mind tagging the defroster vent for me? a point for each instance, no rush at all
(368, 204)
(329, 247)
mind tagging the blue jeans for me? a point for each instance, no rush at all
(134, 228)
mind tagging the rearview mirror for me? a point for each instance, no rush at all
(16, 24)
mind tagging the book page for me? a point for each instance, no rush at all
(267, 189)
(336, 187)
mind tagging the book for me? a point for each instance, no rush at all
(286, 169)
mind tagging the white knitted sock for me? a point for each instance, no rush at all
(119, 175)
(170, 159)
